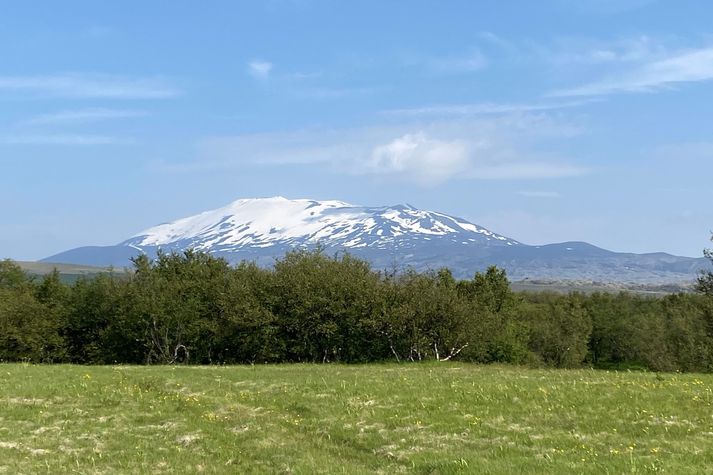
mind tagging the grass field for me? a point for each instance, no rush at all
(411, 418)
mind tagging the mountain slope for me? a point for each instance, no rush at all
(256, 223)
(389, 237)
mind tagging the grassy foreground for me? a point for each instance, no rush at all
(413, 418)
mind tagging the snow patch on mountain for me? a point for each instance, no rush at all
(389, 238)
(265, 222)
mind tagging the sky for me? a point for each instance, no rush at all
(544, 121)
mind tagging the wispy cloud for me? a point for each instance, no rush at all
(630, 64)
(260, 69)
(576, 51)
(443, 63)
(685, 152)
(474, 61)
(499, 148)
(89, 86)
(526, 167)
(62, 139)
(495, 40)
(484, 108)
(303, 85)
(81, 116)
(302, 76)
(539, 194)
(682, 67)
(542, 226)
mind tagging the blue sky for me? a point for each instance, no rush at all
(543, 121)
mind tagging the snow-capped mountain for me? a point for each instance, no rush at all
(389, 237)
(261, 223)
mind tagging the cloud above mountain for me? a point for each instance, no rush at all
(506, 147)
(421, 158)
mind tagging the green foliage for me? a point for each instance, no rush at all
(627, 332)
(92, 312)
(325, 307)
(174, 300)
(195, 308)
(498, 332)
(426, 318)
(560, 330)
(705, 280)
(30, 316)
(11, 275)
(688, 333)
(29, 330)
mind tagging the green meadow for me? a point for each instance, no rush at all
(377, 418)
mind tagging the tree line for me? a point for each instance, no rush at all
(312, 307)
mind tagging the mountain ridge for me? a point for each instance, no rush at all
(261, 221)
(398, 236)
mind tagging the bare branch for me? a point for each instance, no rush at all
(454, 352)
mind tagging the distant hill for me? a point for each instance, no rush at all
(389, 237)
(68, 272)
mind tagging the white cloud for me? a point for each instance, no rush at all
(493, 148)
(575, 51)
(632, 64)
(420, 158)
(495, 40)
(438, 63)
(304, 76)
(685, 152)
(484, 108)
(579, 54)
(260, 69)
(682, 67)
(63, 140)
(82, 116)
(89, 86)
